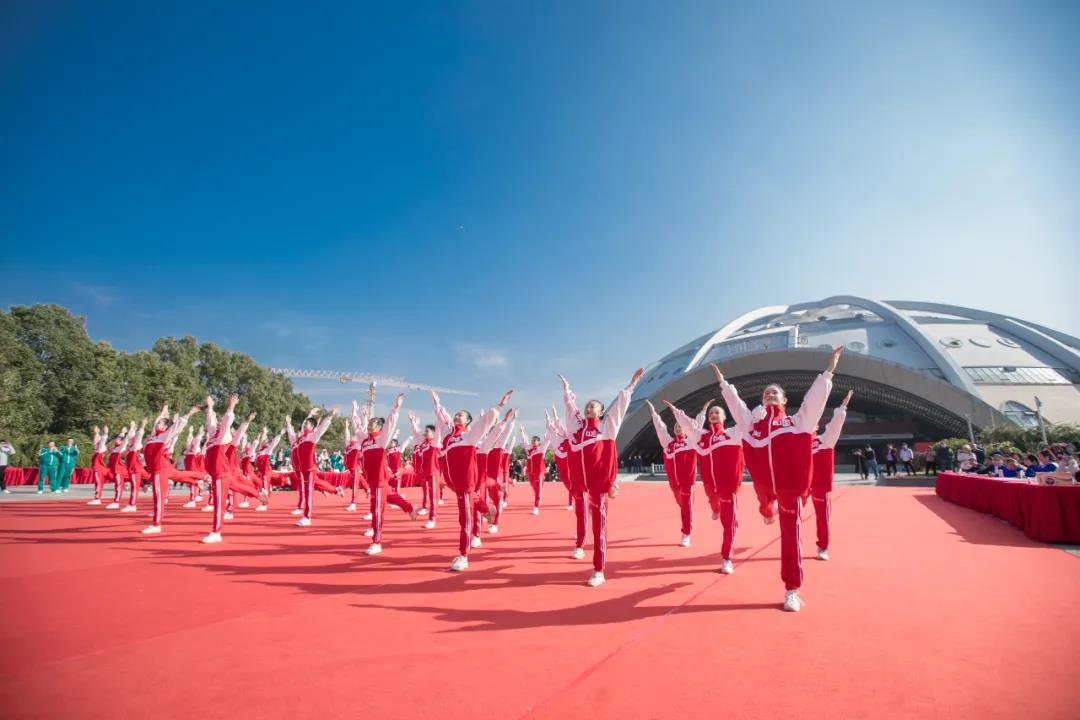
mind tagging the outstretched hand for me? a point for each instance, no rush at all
(506, 397)
(652, 408)
(707, 404)
(252, 415)
(847, 399)
(716, 371)
(835, 358)
(637, 377)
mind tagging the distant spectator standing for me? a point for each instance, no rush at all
(860, 463)
(966, 458)
(930, 460)
(890, 460)
(943, 458)
(907, 455)
(871, 462)
(6, 451)
(69, 458)
(48, 467)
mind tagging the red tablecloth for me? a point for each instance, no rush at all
(1049, 513)
(28, 476)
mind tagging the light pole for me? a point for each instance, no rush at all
(1038, 414)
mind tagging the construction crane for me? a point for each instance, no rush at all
(361, 377)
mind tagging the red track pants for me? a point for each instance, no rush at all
(790, 543)
(823, 514)
(380, 498)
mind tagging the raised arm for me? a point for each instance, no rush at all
(392, 420)
(832, 430)
(814, 401)
(288, 428)
(693, 427)
(274, 442)
(736, 407)
(210, 422)
(241, 432)
(571, 414)
(323, 426)
(616, 412)
(414, 423)
(658, 424)
(443, 423)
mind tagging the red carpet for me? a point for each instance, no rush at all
(926, 610)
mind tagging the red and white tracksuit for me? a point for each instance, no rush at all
(304, 463)
(458, 458)
(374, 456)
(135, 469)
(117, 470)
(262, 465)
(393, 465)
(720, 463)
(535, 464)
(778, 449)
(224, 478)
(98, 469)
(425, 465)
(822, 480)
(568, 463)
(593, 454)
(158, 454)
(489, 464)
(680, 465)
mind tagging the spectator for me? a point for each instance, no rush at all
(860, 463)
(966, 458)
(1012, 468)
(1041, 463)
(48, 468)
(890, 460)
(930, 460)
(980, 454)
(996, 466)
(943, 458)
(907, 455)
(6, 451)
(871, 462)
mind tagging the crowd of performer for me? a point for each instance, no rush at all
(227, 467)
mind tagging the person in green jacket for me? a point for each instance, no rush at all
(48, 466)
(69, 458)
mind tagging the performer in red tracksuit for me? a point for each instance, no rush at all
(117, 471)
(158, 452)
(262, 465)
(720, 463)
(574, 480)
(822, 480)
(135, 469)
(98, 469)
(224, 478)
(560, 450)
(190, 464)
(492, 446)
(374, 454)
(460, 437)
(393, 462)
(425, 466)
(778, 450)
(592, 449)
(304, 463)
(352, 457)
(535, 464)
(680, 465)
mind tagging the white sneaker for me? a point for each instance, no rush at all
(493, 530)
(245, 504)
(228, 516)
(726, 567)
(128, 508)
(39, 492)
(769, 520)
(429, 525)
(716, 516)
(596, 579)
(443, 503)
(685, 542)
(569, 508)
(189, 504)
(351, 507)
(374, 549)
(297, 511)
(370, 532)
(95, 501)
(212, 538)
(460, 563)
(368, 516)
(823, 554)
(578, 553)
(208, 508)
(536, 511)
(66, 490)
(422, 512)
(476, 541)
(504, 504)
(303, 522)
(792, 601)
(112, 506)
(261, 508)
(152, 530)
(415, 513)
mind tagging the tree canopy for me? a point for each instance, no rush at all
(56, 382)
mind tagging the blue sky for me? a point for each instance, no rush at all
(478, 195)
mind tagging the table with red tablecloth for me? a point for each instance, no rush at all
(1049, 513)
(28, 476)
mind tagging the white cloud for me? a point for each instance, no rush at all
(483, 357)
(101, 295)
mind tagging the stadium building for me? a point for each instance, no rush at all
(921, 371)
